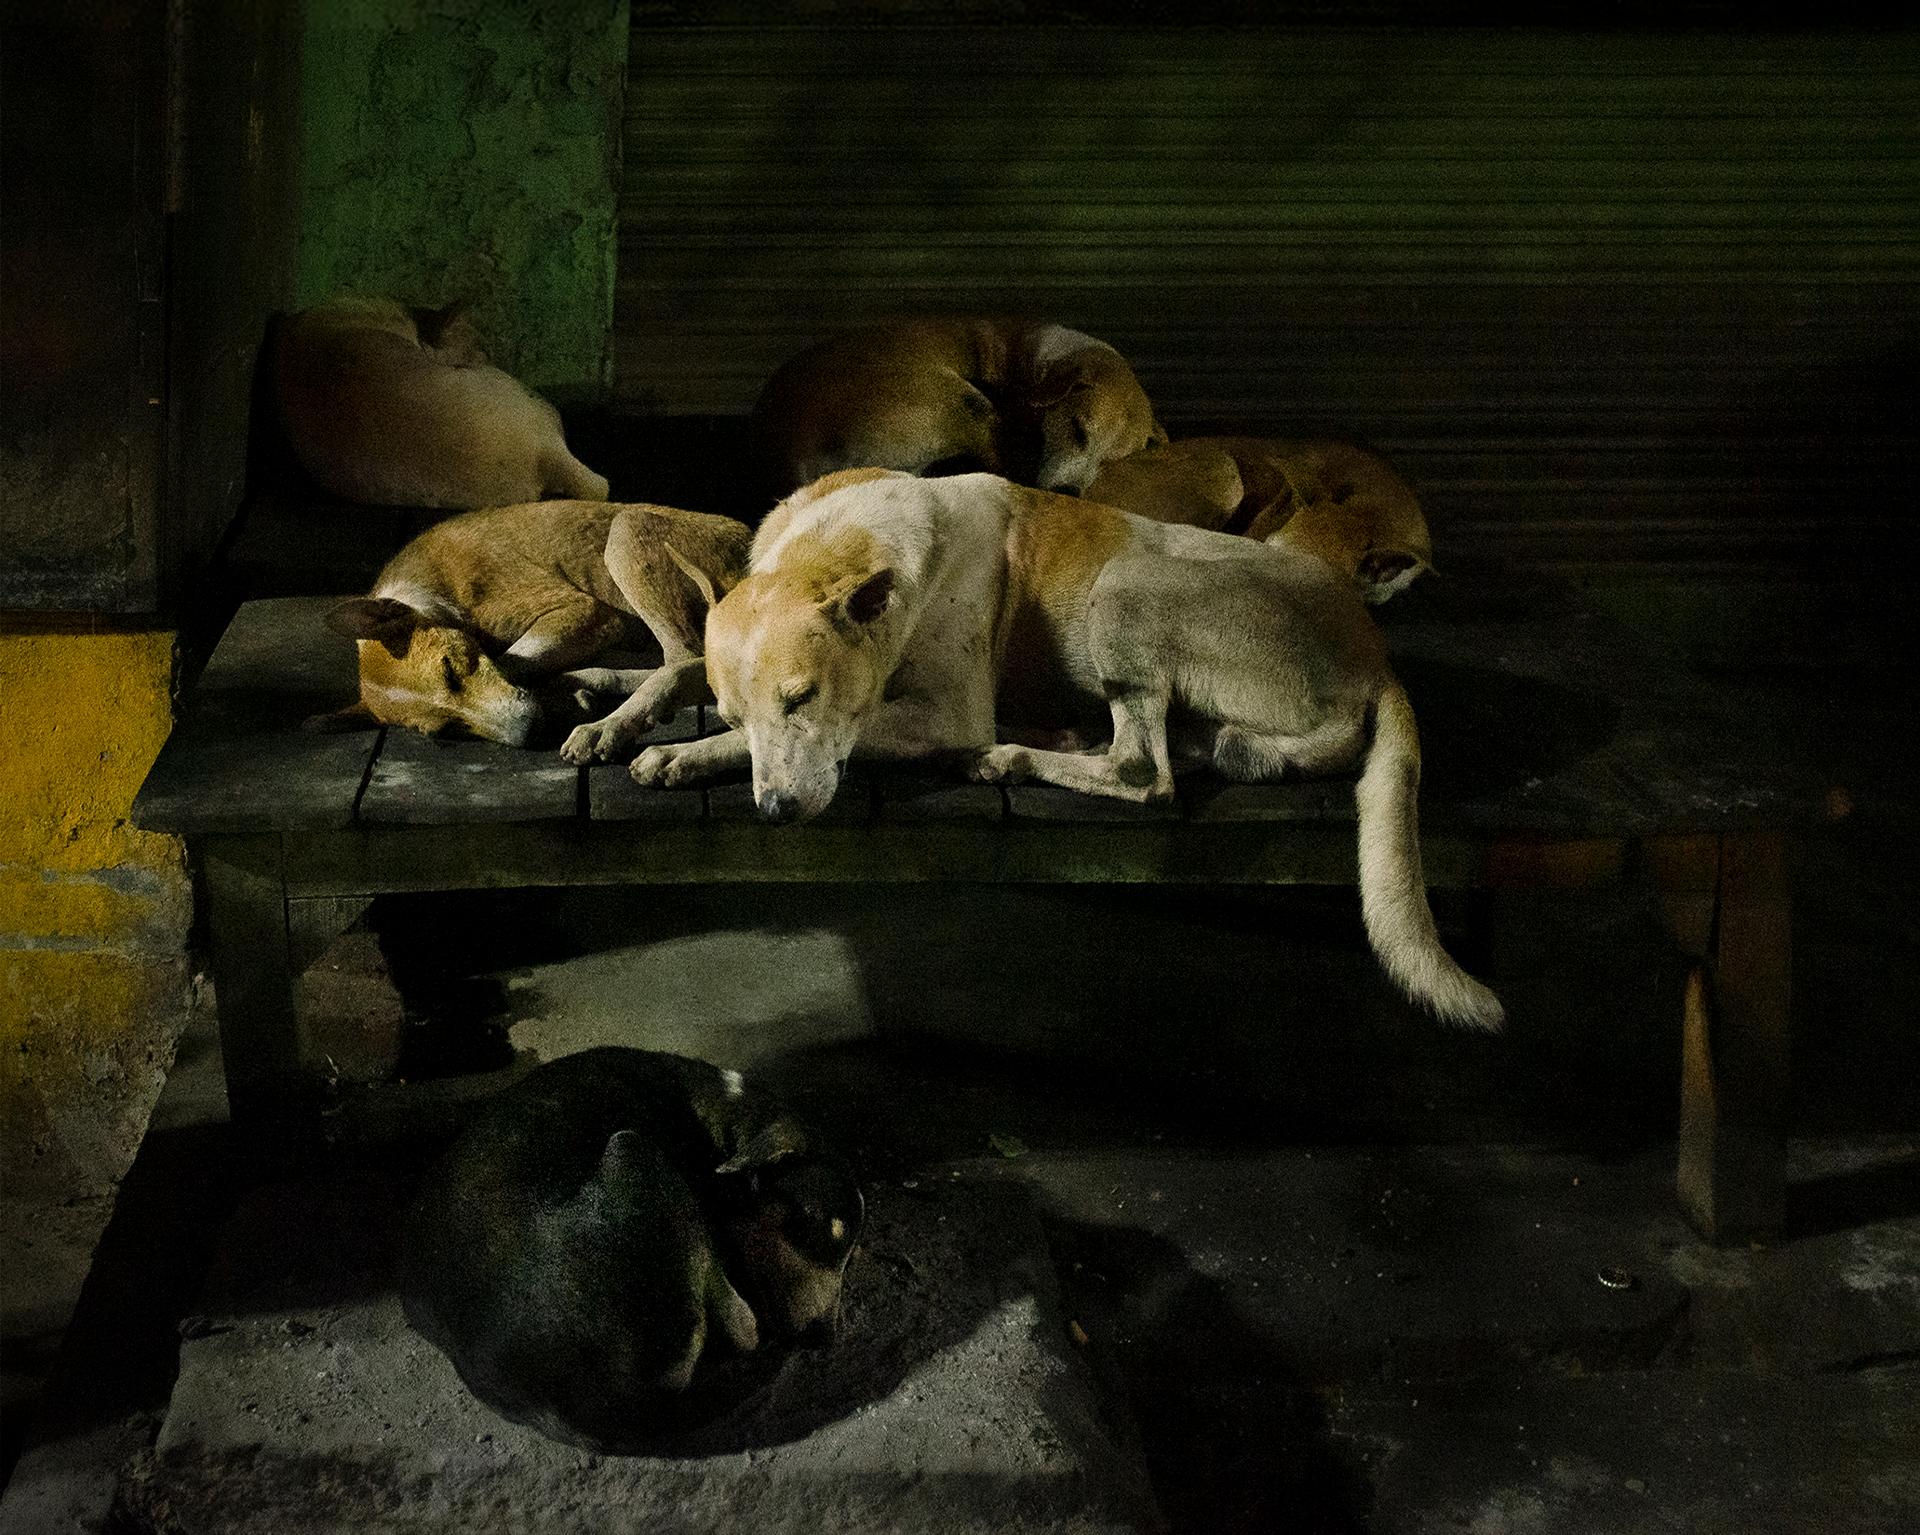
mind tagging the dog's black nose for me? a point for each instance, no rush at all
(778, 807)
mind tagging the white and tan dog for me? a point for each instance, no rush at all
(1037, 402)
(472, 614)
(399, 407)
(895, 616)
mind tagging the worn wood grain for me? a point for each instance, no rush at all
(238, 760)
(908, 796)
(612, 795)
(426, 782)
(1048, 802)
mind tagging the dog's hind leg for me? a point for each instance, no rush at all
(562, 638)
(1245, 756)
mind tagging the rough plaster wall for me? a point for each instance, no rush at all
(469, 149)
(93, 913)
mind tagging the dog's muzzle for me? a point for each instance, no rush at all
(779, 807)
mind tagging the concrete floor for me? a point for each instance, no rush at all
(1335, 1269)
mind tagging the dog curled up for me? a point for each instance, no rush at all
(399, 407)
(614, 1231)
(906, 619)
(477, 616)
(1037, 402)
(1331, 499)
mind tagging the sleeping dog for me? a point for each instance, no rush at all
(1331, 499)
(909, 618)
(472, 615)
(608, 1223)
(1040, 403)
(399, 407)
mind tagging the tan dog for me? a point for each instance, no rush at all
(399, 407)
(1041, 403)
(1331, 499)
(477, 608)
(890, 615)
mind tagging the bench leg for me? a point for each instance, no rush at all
(1734, 921)
(253, 975)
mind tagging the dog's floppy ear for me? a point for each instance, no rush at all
(702, 582)
(356, 716)
(782, 1138)
(385, 619)
(862, 599)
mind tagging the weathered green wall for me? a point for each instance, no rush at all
(469, 149)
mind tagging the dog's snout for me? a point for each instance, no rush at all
(779, 806)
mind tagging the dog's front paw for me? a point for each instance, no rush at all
(660, 767)
(600, 741)
(1001, 764)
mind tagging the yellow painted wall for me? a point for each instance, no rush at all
(94, 915)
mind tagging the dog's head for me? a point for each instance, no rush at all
(796, 1221)
(1348, 508)
(1089, 410)
(795, 660)
(428, 673)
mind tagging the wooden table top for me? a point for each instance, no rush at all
(1535, 721)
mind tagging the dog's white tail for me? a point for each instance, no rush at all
(570, 480)
(1393, 892)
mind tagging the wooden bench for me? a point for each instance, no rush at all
(1559, 754)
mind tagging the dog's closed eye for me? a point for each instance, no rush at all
(797, 698)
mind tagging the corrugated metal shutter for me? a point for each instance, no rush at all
(1606, 296)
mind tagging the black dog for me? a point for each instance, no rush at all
(587, 1240)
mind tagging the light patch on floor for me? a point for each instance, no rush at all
(733, 998)
(1885, 1257)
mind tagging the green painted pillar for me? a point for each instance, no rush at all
(470, 149)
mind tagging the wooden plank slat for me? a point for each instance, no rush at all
(612, 795)
(404, 858)
(1210, 799)
(906, 796)
(238, 760)
(1047, 802)
(422, 782)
